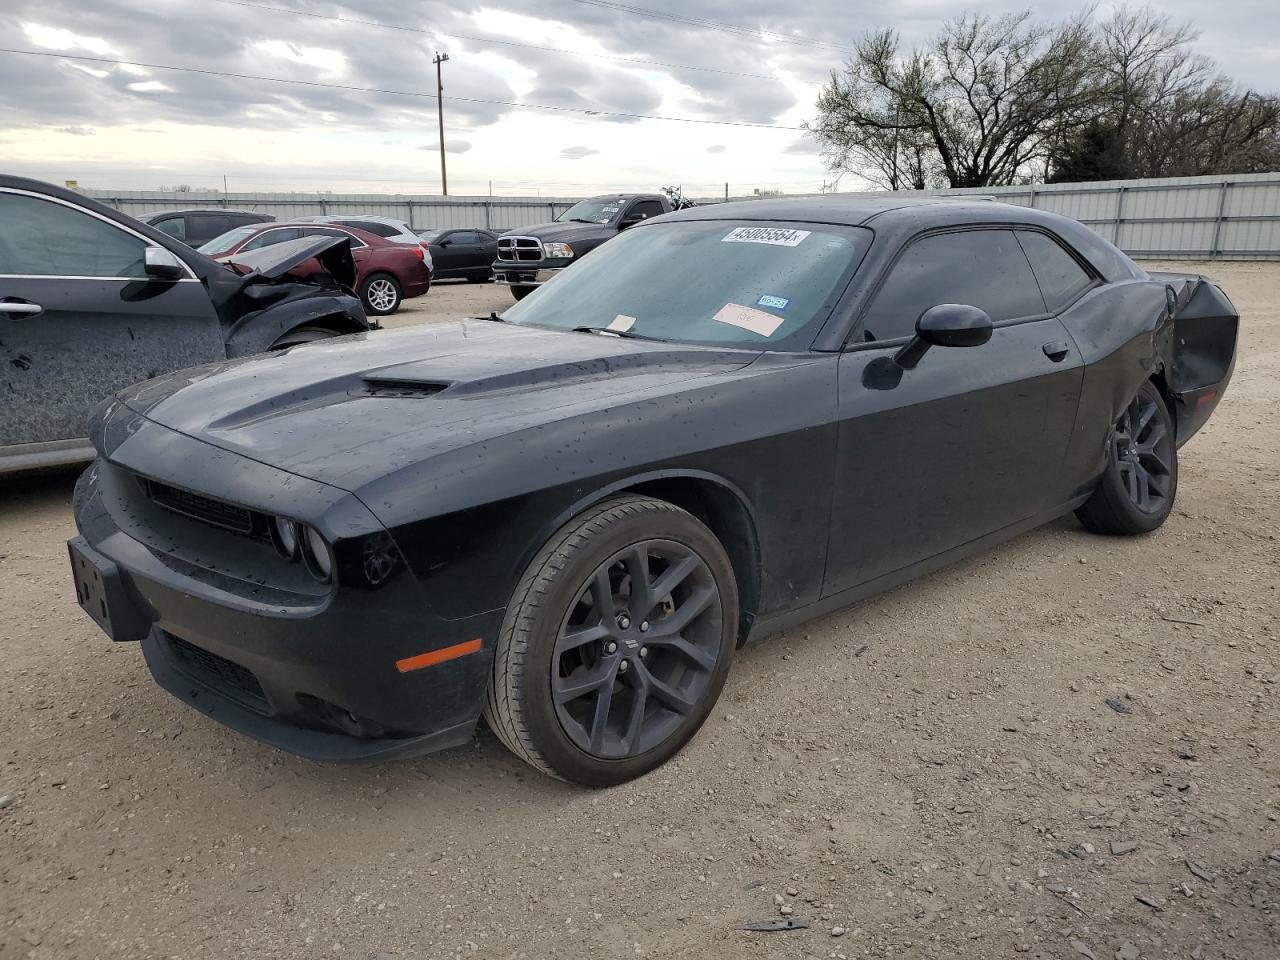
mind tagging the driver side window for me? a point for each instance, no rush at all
(646, 209)
(40, 238)
(979, 268)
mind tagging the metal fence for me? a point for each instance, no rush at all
(1229, 217)
(1176, 218)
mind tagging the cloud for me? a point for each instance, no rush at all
(577, 153)
(717, 148)
(804, 146)
(450, 146)
(77, 131)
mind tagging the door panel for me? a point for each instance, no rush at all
(101, 323)
(970, 441)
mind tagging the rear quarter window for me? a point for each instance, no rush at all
(1060, 276)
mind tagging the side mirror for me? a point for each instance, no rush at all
(443, 243)
(631, 221)
(945, 325)
(161, 264)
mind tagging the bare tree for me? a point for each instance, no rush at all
(977, 106)
(1168, 113)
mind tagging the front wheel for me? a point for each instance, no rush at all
(381, 294)
(616, 643)
(521, 292)
(1135, 493)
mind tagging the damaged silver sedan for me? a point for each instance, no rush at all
(92, 300)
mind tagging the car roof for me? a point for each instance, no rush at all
(370, 239)
(335, 217)
(897, 218)
(213, 211)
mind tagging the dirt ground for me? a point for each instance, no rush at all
(933, 773)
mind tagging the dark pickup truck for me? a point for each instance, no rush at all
(530, 256)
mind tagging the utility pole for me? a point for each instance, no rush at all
(444, 176)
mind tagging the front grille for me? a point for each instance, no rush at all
(217, 512)
(513, 249)
(219, 673)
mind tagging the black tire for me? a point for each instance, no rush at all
(660, 684)
(521, 292)
(300, 335)
(381, 294)
(1136, 491)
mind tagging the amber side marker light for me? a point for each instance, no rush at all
(432, 657)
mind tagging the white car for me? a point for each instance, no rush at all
(394, 230)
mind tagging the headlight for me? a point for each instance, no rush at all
(558, 251)
(284, 534)
(316, 554)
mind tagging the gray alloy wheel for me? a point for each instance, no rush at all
(381, 294)
(1136, 492)
(637, 650)
(616, 643)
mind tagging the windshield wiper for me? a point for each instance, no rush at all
(606, 332)
(493, 316)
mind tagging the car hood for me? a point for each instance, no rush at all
(273, 262)
(350, 410)
(565, 232)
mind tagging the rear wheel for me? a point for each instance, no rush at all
(301, 335)
(381, 294)
(521, 292)
(616, 643)
(1137, 490)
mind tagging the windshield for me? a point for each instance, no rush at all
(591, 211)
(765, 285)
(225, 241)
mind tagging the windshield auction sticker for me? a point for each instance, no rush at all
(776, 236)
(749, 318)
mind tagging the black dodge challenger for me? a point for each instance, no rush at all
(567, 518)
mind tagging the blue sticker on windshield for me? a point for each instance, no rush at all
(777, 303)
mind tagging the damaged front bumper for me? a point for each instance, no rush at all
(233, 629)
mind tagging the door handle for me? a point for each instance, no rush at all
(1056, 350)
(20, 309)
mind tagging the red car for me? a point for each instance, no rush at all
(386, 272)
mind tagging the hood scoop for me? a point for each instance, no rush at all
(387, 388)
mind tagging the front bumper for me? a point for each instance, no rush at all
(523, 274)
(310, 670)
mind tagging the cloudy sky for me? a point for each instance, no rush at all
(127, 126)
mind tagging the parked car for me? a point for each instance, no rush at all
(195, 227)
(530, 256)
(387, 273)
(387, 227)
(465, 254)
(722, 423)
(91, 300)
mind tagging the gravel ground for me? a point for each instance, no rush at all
(936, 772)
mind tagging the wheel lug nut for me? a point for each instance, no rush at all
(624, 621)
(644, 626)
(623, 667)
(644, 651)
(611, 647)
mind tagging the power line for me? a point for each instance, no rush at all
(730, 28)
(397, 93)
(506, 43)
